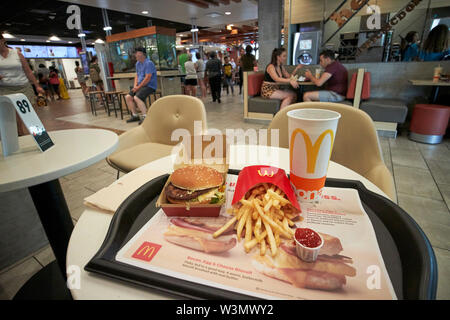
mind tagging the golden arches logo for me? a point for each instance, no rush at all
(265, 173)
(147, 250)
(312, 151)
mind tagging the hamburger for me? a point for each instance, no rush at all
(328, 272)
(196, 233)
(196, 184)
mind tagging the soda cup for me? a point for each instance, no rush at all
(311, 138)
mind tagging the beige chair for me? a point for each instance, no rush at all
(356, 146)
(152, 139)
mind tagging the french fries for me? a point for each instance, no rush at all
(263, 217)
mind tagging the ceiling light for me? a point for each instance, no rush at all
(47, 41)
(144, 12)
(22, 40)
(7, 35)
(70, 41)
(194, 30)
(107, 28)
(81, 35)
(229, 27)
(227, 13)
(99, 41)
(54, 38)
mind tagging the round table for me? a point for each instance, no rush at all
(91, 228)
(39, 172)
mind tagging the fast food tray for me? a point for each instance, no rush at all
(406, 251)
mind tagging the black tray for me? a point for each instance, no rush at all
(406, 251)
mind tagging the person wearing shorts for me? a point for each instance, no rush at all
(191, 77)
(335, 79)
(145, 83)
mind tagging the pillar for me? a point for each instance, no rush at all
(269, 29)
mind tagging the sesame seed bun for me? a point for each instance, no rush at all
(196, 177)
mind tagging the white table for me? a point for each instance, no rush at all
(39, 172)
(91, 228)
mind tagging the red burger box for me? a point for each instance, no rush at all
(214, 153)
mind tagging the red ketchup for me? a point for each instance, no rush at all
(307, 237)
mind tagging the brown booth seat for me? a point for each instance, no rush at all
(256, 103)
(152, 139)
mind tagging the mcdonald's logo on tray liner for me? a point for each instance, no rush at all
(146, 251)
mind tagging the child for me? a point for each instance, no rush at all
(228, 74)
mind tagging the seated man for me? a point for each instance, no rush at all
(335, 77)
(144, 85)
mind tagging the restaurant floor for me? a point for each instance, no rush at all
(421, 173)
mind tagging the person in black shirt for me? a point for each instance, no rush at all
(275, 72)
(213, 71)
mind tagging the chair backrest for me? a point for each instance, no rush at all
(255, 81)
(173, 112)
(356, 145)
(365, 92)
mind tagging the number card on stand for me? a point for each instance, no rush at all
(31, 120)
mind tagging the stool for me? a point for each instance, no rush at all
(429, 123)
(92, 101)
(122, 95)
(114, 97)
(154, 94)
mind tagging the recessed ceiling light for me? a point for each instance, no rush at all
(70, 42)
(107, 28)
(213, 14)
(227, 13)
(22, 40)
(7, 35)
(47, 41)
(144, 12)
(80, 35)
(99, 41)
(194, 30)
(54, 38)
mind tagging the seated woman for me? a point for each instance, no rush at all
(435, 47)
(275, 72)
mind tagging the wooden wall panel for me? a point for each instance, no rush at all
(140, 33)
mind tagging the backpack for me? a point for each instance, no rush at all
(94, 74)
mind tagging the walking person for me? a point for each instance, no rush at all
(201, 73)
(16, 77)
(228, 75)
(145, 83)
(81, 78)
(54, 82)
(191, 77)
(213, 71)
(94, 73)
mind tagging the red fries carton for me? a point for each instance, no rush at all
(209, 151)
(254, 175)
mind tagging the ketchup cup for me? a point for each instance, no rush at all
(306, 253)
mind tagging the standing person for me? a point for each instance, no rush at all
(275, 72)
(94, 73)
(435, 47)
(410, 46)
(182, 58)
(335, 77)
(246, 63)
(44, 85)
(16, 77)
(228, 75)
(213, 71)
(145, 83)
(191, 77)
(200, 63)
(54, 82)
(81, 78)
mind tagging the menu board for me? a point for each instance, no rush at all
(32, 51)
(35, 51)
(351, 266)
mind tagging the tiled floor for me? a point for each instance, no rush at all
(421, 173)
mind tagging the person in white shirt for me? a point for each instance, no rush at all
(201, 73)
(191, 77)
